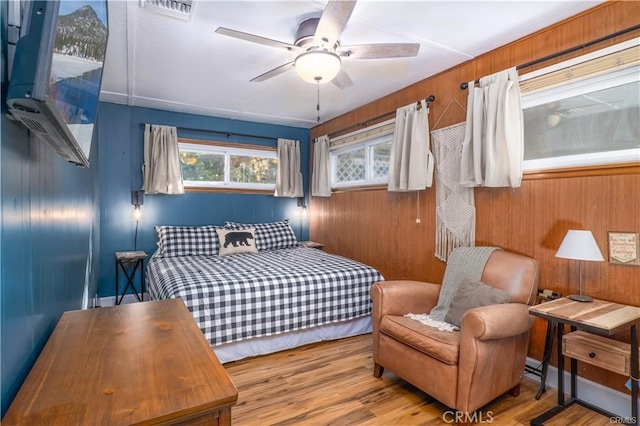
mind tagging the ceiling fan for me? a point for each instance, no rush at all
(318, 47)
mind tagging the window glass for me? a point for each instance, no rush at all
(381, 156)
(598, 121)
(200, 166)
(227, 166)
(252, 169)
(350, 166)
(362, 164)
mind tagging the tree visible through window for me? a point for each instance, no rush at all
(225, 166)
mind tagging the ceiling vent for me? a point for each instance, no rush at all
(177, 8)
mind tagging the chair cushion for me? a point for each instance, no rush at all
(473, 294)
(441, 345)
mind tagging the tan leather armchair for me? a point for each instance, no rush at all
(463, 369)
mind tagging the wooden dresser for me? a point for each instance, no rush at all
(142, 363)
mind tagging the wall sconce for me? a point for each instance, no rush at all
(580, 245)
(137, 200)
(301, 205)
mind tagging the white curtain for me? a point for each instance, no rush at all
(288, 177)
(493, 146)
(320, 177)
(411, 164)
(161, 169)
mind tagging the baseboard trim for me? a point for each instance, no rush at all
(594, 393)
(111, 300)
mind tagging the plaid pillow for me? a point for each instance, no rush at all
(187, 241)
(270, 235)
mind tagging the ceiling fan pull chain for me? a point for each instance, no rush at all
(318, 104)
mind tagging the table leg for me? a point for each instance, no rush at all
(546, 356)
(117, 303)
(142, 280)
(574, 372)
(560, 358)
(634, 373)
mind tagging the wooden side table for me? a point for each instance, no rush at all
(139, 363)
(130, 262)
(599, 319)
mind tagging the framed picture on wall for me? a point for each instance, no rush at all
(623, 248)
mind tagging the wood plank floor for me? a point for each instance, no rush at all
(331, 383)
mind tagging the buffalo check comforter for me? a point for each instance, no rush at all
(249, 295)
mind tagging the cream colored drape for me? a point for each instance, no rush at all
(288, 176)
(321, 173)
(161, 169)
(493, 147)
(411, 163)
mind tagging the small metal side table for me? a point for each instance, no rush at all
(130, 263)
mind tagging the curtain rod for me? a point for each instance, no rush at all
(465, 85)
(227, 134)
(378, 117)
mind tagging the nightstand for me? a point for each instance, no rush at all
(312, 244)
(130, 263)
(592, 324)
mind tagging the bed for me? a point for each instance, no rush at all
(267, 294)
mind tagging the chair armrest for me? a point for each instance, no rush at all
(497, 321)
(403, 296)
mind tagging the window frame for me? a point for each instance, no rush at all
(368, 146)
(227, 150)
(605, 160)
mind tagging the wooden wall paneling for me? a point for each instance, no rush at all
(379, 228)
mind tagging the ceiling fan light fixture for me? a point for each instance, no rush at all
(318, 66)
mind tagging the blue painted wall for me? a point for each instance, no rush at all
(48, 239)
(121, 153)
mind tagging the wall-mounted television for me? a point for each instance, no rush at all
(57, 72)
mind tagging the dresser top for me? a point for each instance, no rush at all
(598, 316)
(141, 362)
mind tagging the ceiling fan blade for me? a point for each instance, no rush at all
(333, 21)
(274, 72)
(257, 39)
(380, 51)
(342, 80)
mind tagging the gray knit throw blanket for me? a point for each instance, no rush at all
(464, 262)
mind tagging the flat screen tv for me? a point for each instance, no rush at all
(57, 72)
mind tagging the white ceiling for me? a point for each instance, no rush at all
(157, 61)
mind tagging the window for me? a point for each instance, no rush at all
(362, 164)
(224, 166)
(583, 112)
(362, 158)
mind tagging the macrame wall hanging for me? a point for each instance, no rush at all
(455, 205)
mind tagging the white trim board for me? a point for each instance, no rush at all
(594, 393)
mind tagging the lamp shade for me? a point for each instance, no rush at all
(579, 245)
(318, 66)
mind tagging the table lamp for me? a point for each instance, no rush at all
(580, 245)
